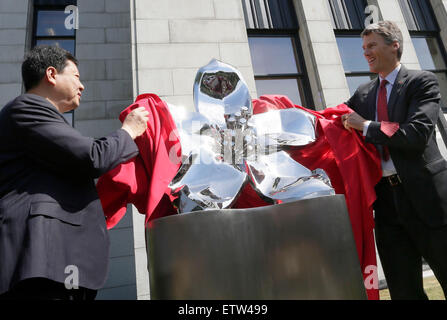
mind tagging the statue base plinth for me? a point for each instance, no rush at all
(298, 250)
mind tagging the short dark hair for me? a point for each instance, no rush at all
(389, 31)
(38, 60)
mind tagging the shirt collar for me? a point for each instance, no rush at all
(391, 78)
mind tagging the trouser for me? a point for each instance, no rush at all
(402, 240)
(46, 289)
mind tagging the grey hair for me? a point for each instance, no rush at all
(389, 31)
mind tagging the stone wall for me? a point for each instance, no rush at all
(104, 53)
(322, 58)
(172, 39)
(103, 48)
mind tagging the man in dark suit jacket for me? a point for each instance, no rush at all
(53, 236)
(398, 113)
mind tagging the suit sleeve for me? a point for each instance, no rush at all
(48, 140)
(351, 103)
(422, 116)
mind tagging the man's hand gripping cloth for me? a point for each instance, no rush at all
(143, 181)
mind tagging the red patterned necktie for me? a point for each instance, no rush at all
(382, 113)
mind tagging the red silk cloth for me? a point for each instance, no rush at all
(353, 166)
(143, 180)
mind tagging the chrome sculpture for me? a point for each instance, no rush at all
(302, 248)
(225, 146)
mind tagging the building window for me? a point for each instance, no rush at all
(348, 14)
(418, 15)
(49, 28)
(275, 66)
(275, 50)
(431, 58)
(269, 14)
(348, 18)
(424, 33)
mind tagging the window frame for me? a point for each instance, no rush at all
(301, 76)
(354, 34)
(435, 35)
(35, 38)
(345, 16)
(346, 12)
(416, 22)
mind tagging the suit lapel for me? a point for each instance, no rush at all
(397, 87)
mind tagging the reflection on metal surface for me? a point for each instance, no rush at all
(198, 191)
(223, 141)
(219, 85)
(220, 91)
(287, 180)
(291, 127)
(297, 250)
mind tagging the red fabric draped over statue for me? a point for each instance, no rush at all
(143, 180)
(353, 166)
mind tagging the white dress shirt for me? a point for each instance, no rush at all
(388, 168)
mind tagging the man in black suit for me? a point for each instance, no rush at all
(398, 113)
(53, 237)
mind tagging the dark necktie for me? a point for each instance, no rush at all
(382, 113)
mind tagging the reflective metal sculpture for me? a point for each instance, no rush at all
(296, 250)
(225, 146)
